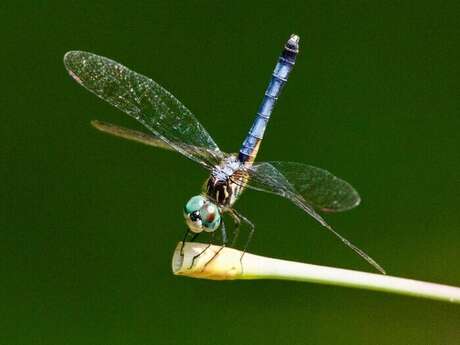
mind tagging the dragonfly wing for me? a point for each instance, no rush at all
(308, 188)
(319, 188)
(146, 139)
(266, 177)
(130, 134)
(146, 101)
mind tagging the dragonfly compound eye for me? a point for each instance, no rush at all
(192, 213)
(210, 216)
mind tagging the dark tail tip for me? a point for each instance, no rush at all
(293, 43)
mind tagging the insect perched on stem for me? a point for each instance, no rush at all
(174, 127)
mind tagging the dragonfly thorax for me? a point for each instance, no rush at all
(226, 168)
(223, 185)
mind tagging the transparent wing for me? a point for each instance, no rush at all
(130, 134)
(318, 187)
(147, 102)
(144, 138)
(309, 188)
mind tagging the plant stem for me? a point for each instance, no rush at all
(226, 265)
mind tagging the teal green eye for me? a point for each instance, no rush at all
(194, 204)
(201, 214)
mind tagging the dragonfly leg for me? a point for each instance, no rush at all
(251, 231)
(183, 242)
(236, 230)
(224, 234)
(224, 244)
(211, 238)
(194, 237)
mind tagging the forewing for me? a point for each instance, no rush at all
(147, 102)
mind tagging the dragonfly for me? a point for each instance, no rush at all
(172, 126)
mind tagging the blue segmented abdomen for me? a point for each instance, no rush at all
(280, 75)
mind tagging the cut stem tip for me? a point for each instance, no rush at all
(199, 260)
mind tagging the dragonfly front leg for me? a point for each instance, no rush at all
(183, 242)
(224, 244)
(195, 235)
(211, 238)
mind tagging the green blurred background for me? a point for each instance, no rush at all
(89, 222)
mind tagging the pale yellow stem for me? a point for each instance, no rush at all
(227, 266)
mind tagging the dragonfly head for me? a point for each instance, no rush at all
(201, 214)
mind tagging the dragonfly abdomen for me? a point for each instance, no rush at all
(280, 75)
